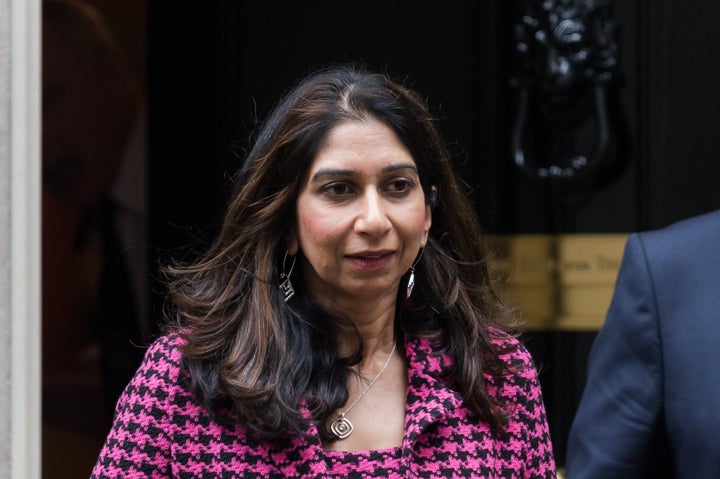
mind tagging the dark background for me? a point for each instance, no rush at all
(213, 69)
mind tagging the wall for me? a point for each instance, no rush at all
(19, 240)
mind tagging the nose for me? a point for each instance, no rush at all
(372, 219)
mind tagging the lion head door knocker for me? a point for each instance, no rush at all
(568, 124)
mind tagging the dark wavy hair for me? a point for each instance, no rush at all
(253, 358)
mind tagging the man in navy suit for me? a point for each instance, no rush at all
(651, 405)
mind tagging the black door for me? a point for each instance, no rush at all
(640, 151)
(573, 124)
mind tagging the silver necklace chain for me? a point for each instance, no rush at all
(342, 427)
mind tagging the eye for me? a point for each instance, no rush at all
(337, 189)
(400, 186)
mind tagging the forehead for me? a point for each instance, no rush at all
(361, 144)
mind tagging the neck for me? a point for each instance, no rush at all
(377, 333)
(359, 309)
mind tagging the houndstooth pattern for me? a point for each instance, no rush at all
(160, 431)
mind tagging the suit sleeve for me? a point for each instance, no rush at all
(613, 430)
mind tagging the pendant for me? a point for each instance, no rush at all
(341, 427)
(410, 284)
(287, 289)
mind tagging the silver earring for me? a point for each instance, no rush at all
(411, 278)
(411, 282)
(286, 287)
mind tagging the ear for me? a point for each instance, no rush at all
(432, 196)
(293, 246)
(428, 224)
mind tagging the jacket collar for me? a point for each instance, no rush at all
(429, 401)
(429, 397)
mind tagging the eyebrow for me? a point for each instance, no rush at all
(342, 172)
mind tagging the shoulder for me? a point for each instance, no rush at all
(508, 348)
(516, 386)
(166, 346)
(513, 354)
(156, 382)
(700, 232)
(676, 250)
(162, 357)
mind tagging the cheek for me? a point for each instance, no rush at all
(417, 223)
(316, 230)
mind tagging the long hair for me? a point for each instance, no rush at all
(253, 358)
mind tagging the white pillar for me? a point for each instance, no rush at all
(20, 239)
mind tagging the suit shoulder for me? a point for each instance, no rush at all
(685, 239)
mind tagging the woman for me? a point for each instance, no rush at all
(343, 323)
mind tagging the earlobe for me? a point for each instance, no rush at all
(292, 244)
(428, 224)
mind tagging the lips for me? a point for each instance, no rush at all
(371, 259)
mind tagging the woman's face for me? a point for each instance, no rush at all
(361, 215)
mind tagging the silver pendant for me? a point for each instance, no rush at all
(411, 283)
(341, 427)
(287, 289)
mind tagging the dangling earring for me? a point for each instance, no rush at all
(286, 286)
(411, 282)
(411, 278)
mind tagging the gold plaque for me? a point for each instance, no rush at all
(558, 282)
